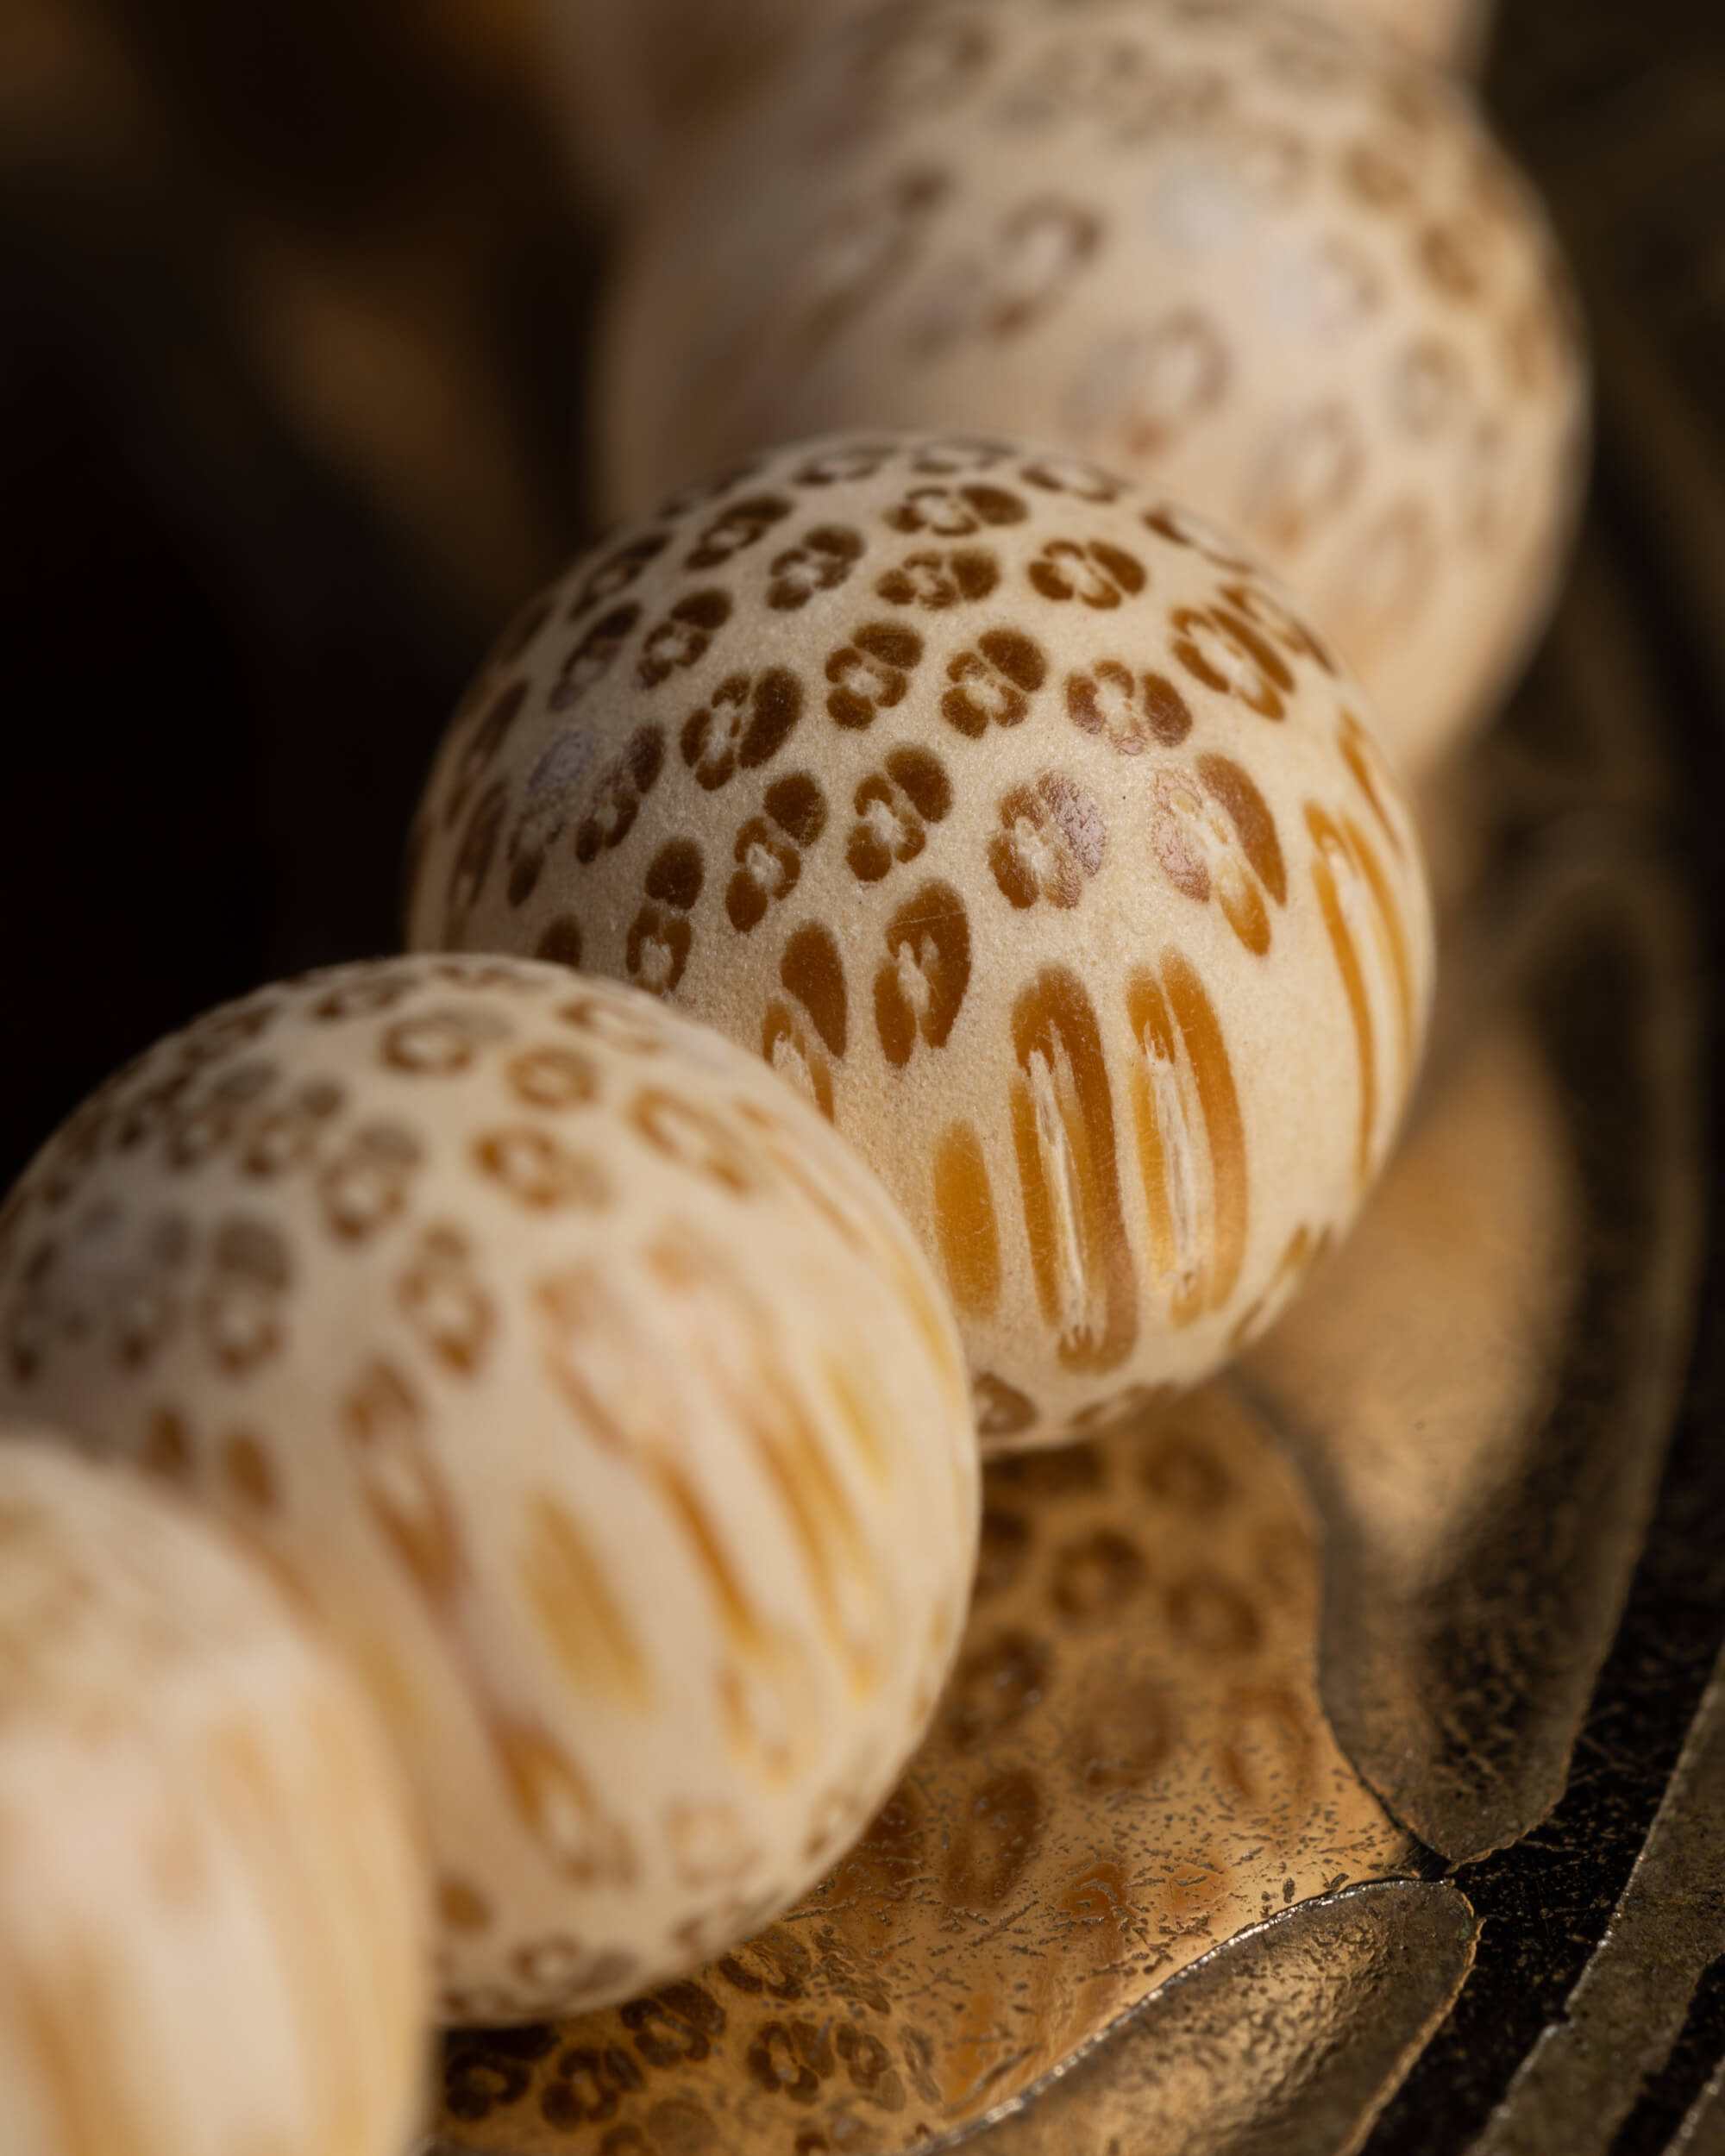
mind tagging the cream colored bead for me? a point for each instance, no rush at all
(213, 1903)
(1024, 826)
(1275, 270)
(641, 81)
(592, 1390)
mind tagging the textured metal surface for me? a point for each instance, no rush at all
(1480, 1391)
(1283, 2041)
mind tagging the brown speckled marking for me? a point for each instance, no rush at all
(481, 746)
(1310, 471)
(1002, 1411)
(894, 807)
(1132, 712)
(1214, 837)
(865, 248)
(618, 792)
(993, 683)
(462, 1906)
(1232, 784)
(675, 644)
(557, 1804)
(845, 463)
(588, 1336)
(616, 572)
(471, 864)
(1052, 842)
(656, 951)
(1063, 1127)
(737, 1343)
(954, 512)
(820, 561)
(1191, 1140)
(382, 1421)
(1096, 574)
(1220, 648)
(696, 1136)
(965, 1222)
(769, 863)
(953, 456)
(797, 805)
(553, 1079)
(593, 657)
(813, 970)
(871, 673)
(1392, 937)
(249, 1471)
(284, 1136)
(920, 992)
(791, 1046)
(1148, 384)
(241, 1313)
(365, 1184)
(1246, 600)
(1303, 1250)
(935, 579)
(743, 724)
(560, 941)
(442, 1042)
(1180, 529)
(374, 990)
(1328, 853)
(167, 1450)
(1364, 761)
(1023, 273)
(442, 1296)
(564, 1580)
(1054, 473)
(538, 1171)
(736, 528)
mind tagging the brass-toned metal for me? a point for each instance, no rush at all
(1283, 2042)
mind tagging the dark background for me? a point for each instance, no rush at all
(293, 296)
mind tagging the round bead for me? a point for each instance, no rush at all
(591, 1389)
(641, 80)
(1024, 826)
(1277, 271)
(213, 1930)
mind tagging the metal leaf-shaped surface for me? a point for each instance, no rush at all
(1286, 2039)
(1481, 1388)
